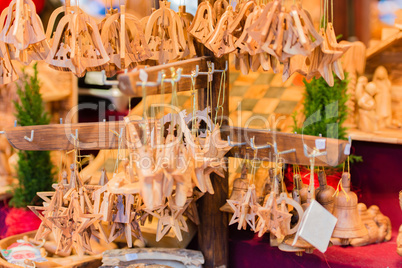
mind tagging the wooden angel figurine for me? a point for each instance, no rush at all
(367, 109)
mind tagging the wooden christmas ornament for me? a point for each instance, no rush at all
(202, 26)
(77, 45)
(324, 194)
(164, 34)
(349, 223)
(124, 41)
(23, 32)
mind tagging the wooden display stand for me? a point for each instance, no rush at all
(213, 227)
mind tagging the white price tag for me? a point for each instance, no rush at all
(347, 149)
(143, 75)
(320, 144)
(131, 256)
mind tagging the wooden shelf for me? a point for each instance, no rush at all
(392, 136)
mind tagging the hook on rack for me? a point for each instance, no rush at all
(31, 138)
(196, 72)
(235, 144)
(76, 135)
(254, 147)
(211, 70)
(315, 152)
(348, 147)
(175, 79)
(225, 70)
(283, 152)
(144, 79)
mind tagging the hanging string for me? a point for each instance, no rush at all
(194, 94)
(332, 11)
(220, 103)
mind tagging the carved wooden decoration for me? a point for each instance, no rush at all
(77, 45)
(202, 26)
(164, 34)
(7, 71)
(23, 32)
(124, 41)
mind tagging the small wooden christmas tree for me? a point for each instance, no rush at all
(35, 169)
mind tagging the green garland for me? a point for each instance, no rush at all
(325, 109)
(35, 169)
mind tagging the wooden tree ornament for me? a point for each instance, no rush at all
(124, 41)
(77, 45)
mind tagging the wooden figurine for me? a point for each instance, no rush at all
(383, 223)
(349, 223)
(383, 97)
(368, 120)
(240, 187)
(324, 194)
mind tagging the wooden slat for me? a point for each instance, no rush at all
(285, 141)
(94, 136)
(128, 82)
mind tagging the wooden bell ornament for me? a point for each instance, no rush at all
(124, 41)
(7, 71)
(349, 223)
(202, 26)
(240, 187)
(77, 45)
(324, 194)
(164, 34)
(23, 32)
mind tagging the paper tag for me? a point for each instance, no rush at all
(320, 144)
(131, 256)
(143, 75)
(347, 149)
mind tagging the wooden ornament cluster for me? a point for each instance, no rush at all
(266, 35)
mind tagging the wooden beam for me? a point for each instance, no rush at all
(91, 136)
(102, 135)
(285, 141)
(128, 82)
(213, 230)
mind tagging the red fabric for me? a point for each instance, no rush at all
(21, 220)
(38, 3)
(378, 180)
